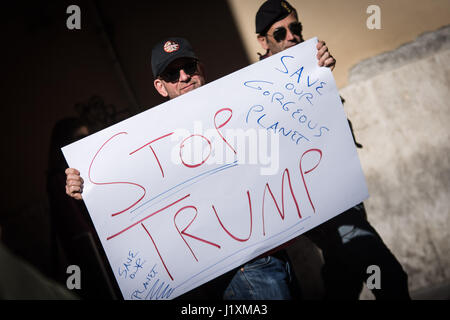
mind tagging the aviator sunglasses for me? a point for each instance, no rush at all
(280, 33)
(173, 75)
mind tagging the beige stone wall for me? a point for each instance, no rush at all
(402, 116)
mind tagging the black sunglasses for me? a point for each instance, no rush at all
(280, 33)
(173, 75)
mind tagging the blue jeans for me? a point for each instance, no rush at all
(267, 278)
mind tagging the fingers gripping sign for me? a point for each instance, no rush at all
(74, 183)
(324, 56)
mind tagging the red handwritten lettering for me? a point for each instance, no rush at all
(160, 257)
(286, 172)
(183, 232)
(154, 153)
(251, 222)
(146, 230)
(308, 159)
(143, 219)
(306, 172)
(182, 146)
(223, 124)
(109, 183)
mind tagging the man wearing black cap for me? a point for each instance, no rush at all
(278, 29)
(176, 68)
(348, 242)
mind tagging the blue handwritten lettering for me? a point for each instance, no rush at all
(282, 130)
(278, 96)
(152, 288)
(138, 265)
(302, 118)
(274, 127)
(300, 137)
(259, 119)
(299, 72)
(302, 94)
(309, 85)
(308, 95)
(255, 108)
(295, 112)
(320, 131)
(320, 87)
(286, 133)
(289, 86)
(247, 84)
(309, 126)
(282, 61)
(284, 105)
(156, 293)
(131, 266)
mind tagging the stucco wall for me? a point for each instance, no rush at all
(399, 103)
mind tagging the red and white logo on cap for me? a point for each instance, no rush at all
(171, 46)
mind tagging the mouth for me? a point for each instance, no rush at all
(188, 87)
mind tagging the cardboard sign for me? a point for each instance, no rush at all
(203, 183)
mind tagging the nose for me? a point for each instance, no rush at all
(289, 35)
(184, 76)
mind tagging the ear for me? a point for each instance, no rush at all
(263, 42)
(159, 86)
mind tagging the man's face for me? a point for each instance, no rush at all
(268, 41)
(180, 76)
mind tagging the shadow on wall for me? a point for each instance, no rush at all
(398, 103)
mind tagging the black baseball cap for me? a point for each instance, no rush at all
(168, 50)
(270, 12)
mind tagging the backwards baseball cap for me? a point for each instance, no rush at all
(270, 12)
(169, 50)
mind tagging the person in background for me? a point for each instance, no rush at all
(348, 242)
(72, 233)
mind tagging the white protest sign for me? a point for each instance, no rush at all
(197, 186)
